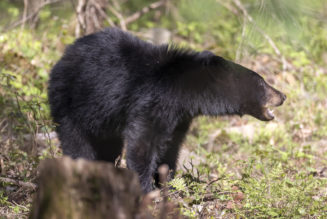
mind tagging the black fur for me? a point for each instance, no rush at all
(111, 88)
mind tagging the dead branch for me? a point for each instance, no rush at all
(116, 5)
(94, 18)
(145, 10)
(228, 7)
(122, 21)
(250, 19)
(90, 15)
(163, 174)
(78, 18)
(19, 183)
(81, 26)
(114, 8)
(25, 12)
(213, 181)
(238, 51)
(103, 14)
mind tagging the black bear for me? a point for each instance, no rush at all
(111, 88)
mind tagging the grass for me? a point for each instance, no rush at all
(269, 175)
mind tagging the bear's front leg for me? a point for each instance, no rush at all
(169, 153)
(143, 139)
(141, 158)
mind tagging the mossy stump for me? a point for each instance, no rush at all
(80, 189)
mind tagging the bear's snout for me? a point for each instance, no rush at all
(274, 97)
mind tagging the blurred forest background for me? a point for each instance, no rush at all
(230, 167)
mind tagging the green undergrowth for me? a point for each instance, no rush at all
(26, 60)
(274, 175)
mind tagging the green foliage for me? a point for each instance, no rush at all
(277, 180)
(8, 11)
(23, 81)
(273, 192)
(3, 199)
(178, 184)
(201, 11)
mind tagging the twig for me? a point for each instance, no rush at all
(3, 125)
(19, 183)
(28, 123)
(212, 181)
(144, 10)
(246, 14)
(22, 206)
(122, 21)
(17, 23)
(104, 15)
(80, 23)
(25, 12)
(239, 49)
(228, 7)
(118, 161)
(266, 36)
(81, 27)
(94, 17)
(163, 174)
(49, 135)
(116, 5)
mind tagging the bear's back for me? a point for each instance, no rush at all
(89, 83)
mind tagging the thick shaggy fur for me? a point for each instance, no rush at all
(111, 88)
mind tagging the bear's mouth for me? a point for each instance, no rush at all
(263, 113)
(275, 99)
(268, 113)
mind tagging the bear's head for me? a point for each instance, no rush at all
(244, 91)
(206, 84)
(222, 87)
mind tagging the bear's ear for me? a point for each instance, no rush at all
(206, 54)
(205, 57)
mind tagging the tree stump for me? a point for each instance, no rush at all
(85, 189)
